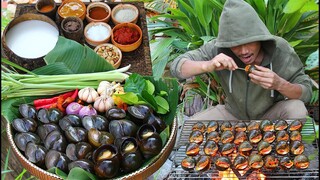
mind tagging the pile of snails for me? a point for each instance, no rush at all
(258, 144)
(108, 145)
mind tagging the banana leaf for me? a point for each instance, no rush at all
(70, 57)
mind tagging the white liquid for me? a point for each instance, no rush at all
(32, 38)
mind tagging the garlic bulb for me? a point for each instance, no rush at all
(103, 103)
(88, 94)
(103, 86)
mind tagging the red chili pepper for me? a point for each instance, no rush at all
(40, 102)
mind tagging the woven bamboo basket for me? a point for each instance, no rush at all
(141, 173)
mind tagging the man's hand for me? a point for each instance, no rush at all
(220, 62)
(266, 78)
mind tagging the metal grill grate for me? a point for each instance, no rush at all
(311, 150)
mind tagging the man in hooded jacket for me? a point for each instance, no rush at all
(277, 89)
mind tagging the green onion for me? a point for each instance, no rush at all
(21, 85)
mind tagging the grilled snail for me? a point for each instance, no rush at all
(227, 148)
(282, 136)
(222, 163)
(271, 162)
(214, 136)
(210, 148)
(264, 148)
(266, 125)
(240, 126)
(253, 125)
(199, 126)
(301, 161)
(240, 162)
(227, 136)
(212, 126)
(280, 125)
(286, 163)
(196, 136)
(282, 147)
(255, 161)
(226, 126)
(188, 163)
(295, 136)
(203, 163)
(192, 149)
(254, 136)
(295, 125)
(240, 137)
(245, 148)
(269, 136)
(296, 147)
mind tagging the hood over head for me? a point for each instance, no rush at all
(240, 24)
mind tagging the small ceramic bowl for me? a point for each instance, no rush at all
(98, 12)
(124, 13)
(96, 33)
(72, 8)
(110, 53)
(126, 47)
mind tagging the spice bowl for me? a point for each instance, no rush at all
(72, 8)
(96, 33)
(98, 12)
(124, 13)
(111, 53)
(126, 36)
(47, 7)
(72, 28)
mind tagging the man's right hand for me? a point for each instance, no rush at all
(220, 62)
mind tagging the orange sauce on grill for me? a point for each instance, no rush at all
(98, 13)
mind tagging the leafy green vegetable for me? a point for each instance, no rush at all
(9, 107)
(80, 174)
(73, 58)
(58, 172)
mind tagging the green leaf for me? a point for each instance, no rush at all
(150, 87)
(10, 107)
(294, 5)
(149, 98)
(58, 172)
(163, 103)
(135, 83)
(295, 43)
(310, 6)
(165, 134)
(80, 174)
(129, 98)
(77, 58)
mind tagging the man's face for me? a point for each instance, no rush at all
(247, 53)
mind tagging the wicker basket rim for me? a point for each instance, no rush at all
(171, 140)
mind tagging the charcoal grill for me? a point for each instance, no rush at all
(311, 150)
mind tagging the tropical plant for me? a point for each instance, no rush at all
(194, 23)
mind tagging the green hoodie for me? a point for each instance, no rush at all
(239, 24)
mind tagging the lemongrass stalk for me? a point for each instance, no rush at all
(115, 76)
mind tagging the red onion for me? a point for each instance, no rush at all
(73, 108)
(87, 111)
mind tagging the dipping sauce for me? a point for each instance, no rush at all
(32, 38)
(98, 13)
(71, 9)
(126, 35)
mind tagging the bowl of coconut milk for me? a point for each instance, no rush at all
(28, 38)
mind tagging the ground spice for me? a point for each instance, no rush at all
(46, 8)
(126, 35)
(98, 13)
